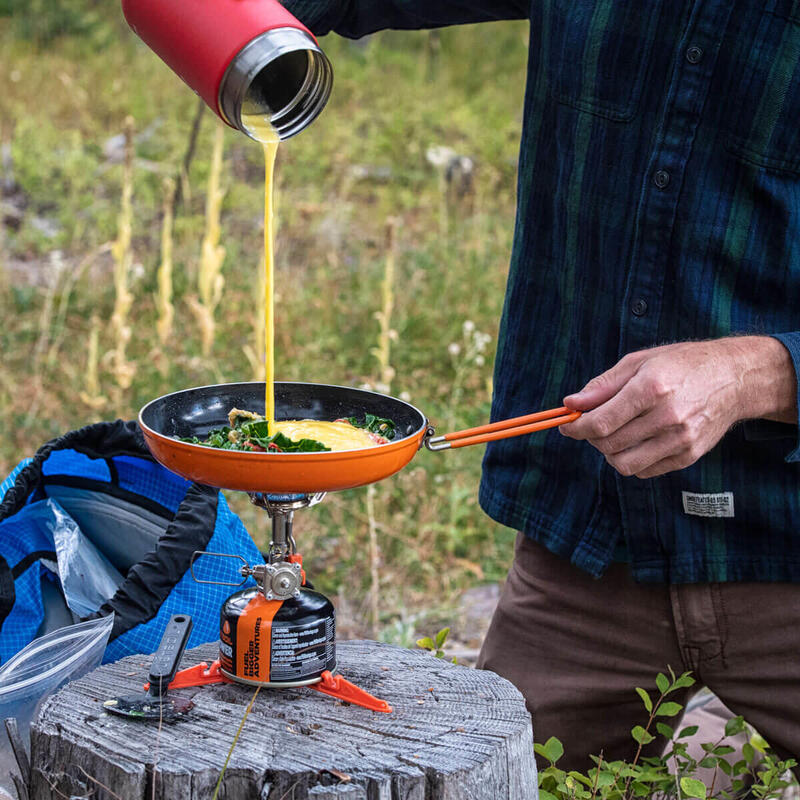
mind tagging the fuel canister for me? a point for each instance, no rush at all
(243, 57)
(287, 642)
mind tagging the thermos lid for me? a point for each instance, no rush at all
(281, 74)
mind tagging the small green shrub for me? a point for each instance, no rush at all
(759, 774)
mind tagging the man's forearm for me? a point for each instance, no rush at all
(661, 409)
(768, 382)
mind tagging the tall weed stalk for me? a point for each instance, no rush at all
(166, 311)
(91, 393)
(122, 369)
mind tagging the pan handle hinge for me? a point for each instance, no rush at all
(430, 437)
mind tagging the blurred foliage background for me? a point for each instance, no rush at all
(395, 216)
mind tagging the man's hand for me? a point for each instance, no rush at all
(660, 410)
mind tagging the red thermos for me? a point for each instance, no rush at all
(240, 56)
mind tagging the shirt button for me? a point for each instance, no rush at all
(661, 178)
(639, 307)
(694, 54)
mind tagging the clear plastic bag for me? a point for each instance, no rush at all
(88, 578)
(40, 669)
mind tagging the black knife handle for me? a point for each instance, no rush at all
(169, 653)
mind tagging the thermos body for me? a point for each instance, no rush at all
(241, 56)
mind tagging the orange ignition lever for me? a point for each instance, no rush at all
(504, 429)
(334, 685)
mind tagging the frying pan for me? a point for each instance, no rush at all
(195, 412)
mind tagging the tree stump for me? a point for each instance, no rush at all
(455, 734)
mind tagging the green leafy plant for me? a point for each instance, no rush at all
(758, 774)
(436, 644)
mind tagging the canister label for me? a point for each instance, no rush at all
(253, 641)
(301, 651)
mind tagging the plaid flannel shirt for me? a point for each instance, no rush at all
(658, 201)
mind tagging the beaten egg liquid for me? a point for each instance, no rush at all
(336, 435)
(262, 129)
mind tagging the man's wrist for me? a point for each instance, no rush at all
(767, 379)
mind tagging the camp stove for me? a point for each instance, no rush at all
(279, 633)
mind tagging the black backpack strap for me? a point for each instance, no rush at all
(149, 582)
(8, 595)
(100, 440)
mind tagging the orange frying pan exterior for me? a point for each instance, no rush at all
(194, 412)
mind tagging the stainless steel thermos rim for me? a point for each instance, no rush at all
(284, 65)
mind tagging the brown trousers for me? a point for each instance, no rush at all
(577, 647)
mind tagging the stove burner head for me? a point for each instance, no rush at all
(284, 503)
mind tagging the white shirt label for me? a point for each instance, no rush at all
(708, 505)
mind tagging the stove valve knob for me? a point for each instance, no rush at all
(282, 582)
(277, 582)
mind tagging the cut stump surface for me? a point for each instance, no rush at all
(455, 734)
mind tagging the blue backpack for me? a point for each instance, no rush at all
(145, 520)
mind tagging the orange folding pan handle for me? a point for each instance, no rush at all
(505, 429)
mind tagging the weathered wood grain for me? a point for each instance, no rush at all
(341, 792)
(455, 734)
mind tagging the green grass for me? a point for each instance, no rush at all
(67, 95)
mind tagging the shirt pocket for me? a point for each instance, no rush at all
(764, 127)
(599, 54)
